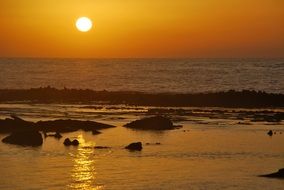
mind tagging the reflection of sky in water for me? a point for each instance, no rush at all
(201, 158)
(83, 173)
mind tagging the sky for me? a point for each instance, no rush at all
(142, 28)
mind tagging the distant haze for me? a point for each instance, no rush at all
(148, 28)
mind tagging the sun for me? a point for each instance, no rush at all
(84, 24)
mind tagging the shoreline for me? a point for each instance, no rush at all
(226, 99)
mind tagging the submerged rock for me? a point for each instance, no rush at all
(270, 133)
(102, 147)
(157, 143)
(24, 138)
(135, 146)
(68, 142)
(152, 123)
(95, 132)
(279, 174)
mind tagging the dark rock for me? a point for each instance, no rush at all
(58, 135)
(15, 124)
(152, 123)
(68, 142)
(75, 142)
(270, 132)
(95, 132)
(231, 98)
(134, 146)
(102, 147)
(24, 138)
(279, 174)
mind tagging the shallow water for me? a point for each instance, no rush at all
(215, 154)
(149, 75)
(213, 158)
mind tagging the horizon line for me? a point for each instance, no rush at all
(59, 57)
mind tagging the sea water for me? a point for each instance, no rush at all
(146, 75)
(207, 153)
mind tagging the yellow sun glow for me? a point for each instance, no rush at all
(84, 24)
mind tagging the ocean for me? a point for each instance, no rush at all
(217, 148)
(144, 75)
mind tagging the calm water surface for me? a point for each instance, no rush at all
(199, 159)
(219, 154)
(147, 75)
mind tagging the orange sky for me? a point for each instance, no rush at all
(142, 28)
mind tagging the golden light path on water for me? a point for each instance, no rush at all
(83, 173)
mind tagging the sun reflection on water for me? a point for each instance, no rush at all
(83, 173)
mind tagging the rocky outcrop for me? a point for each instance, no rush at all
(279, 174)
(152, 123)
(135, 146)
(68, 142)
(229, 99)
(15, 123)
(24, 138)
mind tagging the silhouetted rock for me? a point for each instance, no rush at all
(135, 146)
(279, 174)
(75, 142)
(24, 138)
(58, 135)
(231, 98)
(68, 142)
(95, 132)
(102, 147)
(152, 123)
(270, 132)
(14, 124)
